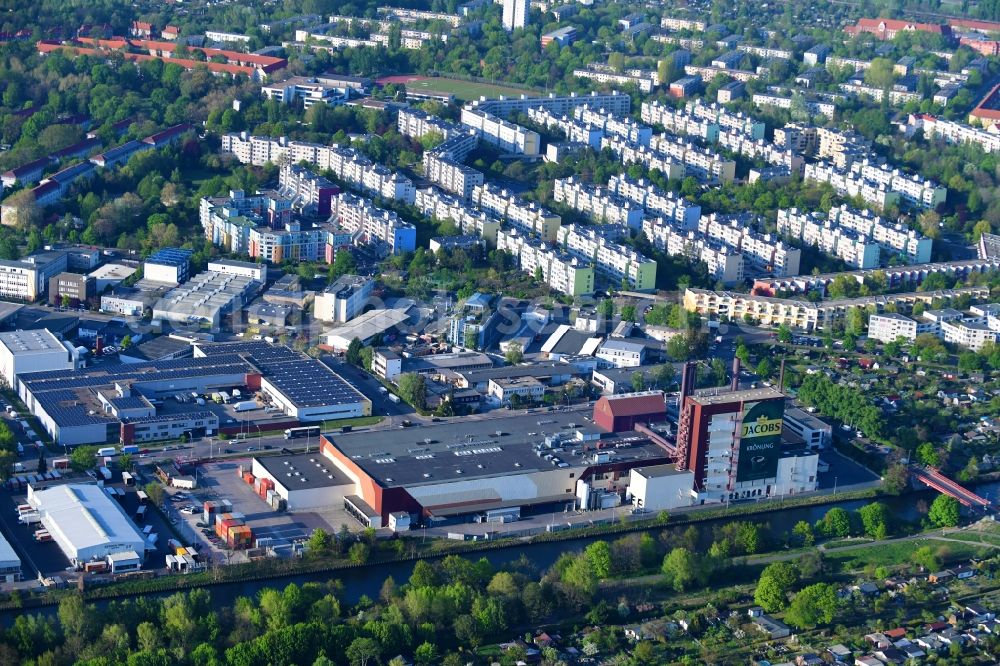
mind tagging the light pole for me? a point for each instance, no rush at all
(835, 485)
(211, 451)
(259, 440)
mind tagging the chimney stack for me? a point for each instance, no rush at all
(781, 377)
(685, 387)
(735, 382)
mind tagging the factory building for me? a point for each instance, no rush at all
(481, 472)
(305, 480)
(32, 351)
(87, 524)
(736, 445)
(618, 413)
(10, 563)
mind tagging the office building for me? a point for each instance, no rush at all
(343, 300)
(37, 350)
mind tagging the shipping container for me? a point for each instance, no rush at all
(141, 496)
(95, 567)
(128, 479)
(270, 496)
(61, 463)
(173, 544)
(140, 513)
(24, 508)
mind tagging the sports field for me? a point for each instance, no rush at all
(463, 90)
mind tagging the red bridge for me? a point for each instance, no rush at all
(932, 478)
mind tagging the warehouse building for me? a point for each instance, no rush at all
(487, 471)
(32, 351)
(618, 413)
(10, 563)
(305, 480)
(87, 524)
(119, 402)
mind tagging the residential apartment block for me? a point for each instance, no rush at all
(632, 153)
(597, 203)
(371, 225)
(723, 263)
(878, 184)
(498, 132)
(704, 164)
(953, 132)
(528, 216)
(559, 270)
(655, 201)
(601, 246)
(311, 90)
(816, 230)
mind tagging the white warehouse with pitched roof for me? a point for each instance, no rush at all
(85, 522)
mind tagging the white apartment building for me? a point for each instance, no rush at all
(643, 83)
(968, 333)
(656, 202)
(515, 14)
(673, 23)
(954, 132)
(597, 203)
(615, 103)
(814, 107)
(369, 224)
(632, 153)
(311, 90)
(846, 183)
(762, 253)
(413, 122)
(525, 215)
(624, 128)
(890, 326)
(561, 271)
(723, 263)
(761, 149)
(704, 164)
(227, 37)
(679, 121)
(442, 206)
(498, 132)
(601, 246)
(452, 176)
(737, 122)
(575, 130)
(816, 230)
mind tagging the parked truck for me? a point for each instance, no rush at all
(105, 472)
(130, 449)
(393, 397)
(246, 406)
(106, 451)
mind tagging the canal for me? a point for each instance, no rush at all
(367, 581)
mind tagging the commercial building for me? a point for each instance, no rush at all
(387, 364)
(561, 37)
(343, 300)
(74, 287)
(365, 327)
(311, 90)
(816, 433)
(734, 443)
(10, 563)
(86, 523)
(206, 299)
(622, 354)
(171, 265)
(110, 275)
(620, 413)
(526, 389)
(464, 471)
(33, 351)
(304, 480)
(660, 487)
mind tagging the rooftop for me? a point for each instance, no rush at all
(432, 454)
(84, 516)
(303, 471)
(716, 397)
(23, 343)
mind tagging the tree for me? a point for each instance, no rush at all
(681, 569)
(413, 389)
(598, 554)
(353, 354)
(628, 312)
(804, 532)
(83, 458)
(343, 264)
(426, 654)
(362, 651)
(154, 491)
(514, 353)
(812, 606)
(926, 557)
(663, 375)
(875, 519)
(773, 586)
(367, 356)
(944, 511)
(358, 553)
(784, 333)
(836, 523)
(319, 542)
(43, 464)
(638, 381)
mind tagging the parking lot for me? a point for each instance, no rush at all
(221, 480)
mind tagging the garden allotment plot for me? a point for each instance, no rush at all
(436, 86)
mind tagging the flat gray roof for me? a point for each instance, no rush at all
(303, 471)
(439, 453)
(722, 397)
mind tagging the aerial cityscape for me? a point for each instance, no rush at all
(499, 333)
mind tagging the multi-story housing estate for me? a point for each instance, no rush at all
(527, 216)
(762, 253)
(415, 15)
(600, 245)
(806, 315)
(675, 23)
(498, 132)
(597, 203)
(953, 132)
(842, 148)
(371, 225)
(645, 81)
(723, 263)
(704, 164)
(413, 122)
(309, 193)
(656, 202)
(451, 175)
(632, 153)
(726, 120)
(575, 130)
(347, 164)
(624, 128)
(876, 183)
(816, 230)
(442, 206)
(615, 103)
(766, 52)
(679, 121)
(813, 106)
(560, 270)
(760, 149)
